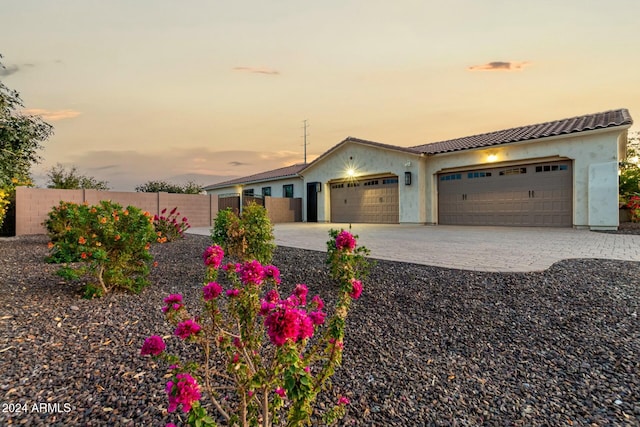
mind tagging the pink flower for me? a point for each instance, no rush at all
(301, 292)
(272, 296)
(317, 317)
(280, 392)
(266, 307)
(250, 393)
(343, 401)
(306, 326)
(345, 240)
(154, 345)
(356, 289)
(163, 211)
(317, 302)
(212, 256)
(211, 290)
(252, 272)
(282, 324)
(233, 293)
(272, 272)
(174, 211)
(170, 425)
(187, 328)
(173, 301)
(237, 343)
(184, 391)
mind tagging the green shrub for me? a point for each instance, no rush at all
(110, 243)
(247, 238)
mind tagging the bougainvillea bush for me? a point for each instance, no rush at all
(105, 242)
(634, 208)
(170, 227)
(265, 356)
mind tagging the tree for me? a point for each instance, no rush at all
(60, 177)
(163, 186)
(630, 169)
(21, 136)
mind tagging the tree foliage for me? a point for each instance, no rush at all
(21, 136)
(71, 179)
(167, 187)
(630, 168)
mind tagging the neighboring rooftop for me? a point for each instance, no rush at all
(285, 172)
(587, 122)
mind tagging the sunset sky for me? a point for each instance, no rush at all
(141, 90)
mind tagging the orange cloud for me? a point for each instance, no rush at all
(500, 66)
(52, 115)
(257, 70)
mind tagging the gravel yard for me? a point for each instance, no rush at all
(424, 345)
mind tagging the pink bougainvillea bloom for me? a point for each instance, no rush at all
(237, 343)
(281, 392)
(345, 240)
(356, 289)
(317, 317)
(173, 301)
(317, 302)
(163, 211)
(212, 256)
(301, 292)
(272, 272)
(306, 326)
(282, 324)
(187, 328)
(342, 400)
(185, 391)
(233, 293)
(250, 393)
(252, 272)
(266, 307)
(211, 290)
(170, 425)
(272, 296)
(154, 345)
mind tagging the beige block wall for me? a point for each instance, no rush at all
(33, 205)
(283, 209)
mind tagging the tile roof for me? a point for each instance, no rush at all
(285, 172)
(571, 125)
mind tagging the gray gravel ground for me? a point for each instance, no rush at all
(425, 345)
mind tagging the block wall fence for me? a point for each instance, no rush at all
(33, 205)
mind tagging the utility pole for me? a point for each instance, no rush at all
(305, 141)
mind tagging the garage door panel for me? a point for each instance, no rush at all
(539, 194)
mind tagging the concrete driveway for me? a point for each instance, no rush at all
(516, 249)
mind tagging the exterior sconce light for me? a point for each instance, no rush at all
(492, 158)
(407, 178)
(351, 172)
(318, 187)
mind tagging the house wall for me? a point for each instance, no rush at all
(33, 205)
(595, 158)
(276, 185)
(368, 160)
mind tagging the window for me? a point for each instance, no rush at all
(472, 175)
(513, 171)
(287, 191)
(266, 191)
(337, 185)
(551, 168)
(248, 193)
(390, 181)
(452, 177)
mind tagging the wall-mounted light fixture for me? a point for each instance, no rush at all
(351, 172)
(492, 157)
(407, 178)
(318, 187)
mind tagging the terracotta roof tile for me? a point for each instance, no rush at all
(587, 122)
(285, 172)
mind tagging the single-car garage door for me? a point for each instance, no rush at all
(365, 200)
(524, 195)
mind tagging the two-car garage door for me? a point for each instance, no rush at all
(524, 195)
(365, 200)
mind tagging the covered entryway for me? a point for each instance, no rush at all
(365, 200)
(524, 195)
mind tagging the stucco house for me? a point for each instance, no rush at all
(562, 173)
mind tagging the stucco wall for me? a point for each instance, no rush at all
(369, 160)
(592, 192)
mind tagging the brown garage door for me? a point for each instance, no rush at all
(525, 195)
(372, 200)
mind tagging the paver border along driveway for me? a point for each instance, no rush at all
(515, 249)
